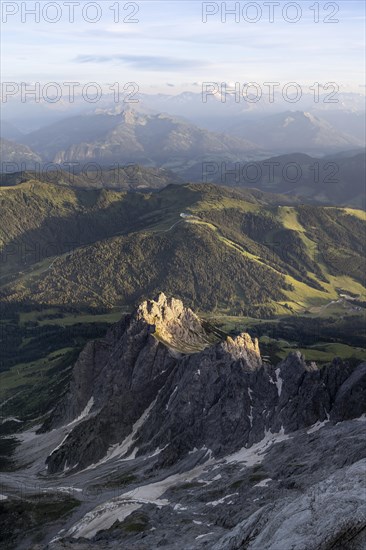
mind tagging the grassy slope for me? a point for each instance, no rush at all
(239, 252)
(29, 390)
(40, 220)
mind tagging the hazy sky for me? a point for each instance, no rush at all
(170, 48)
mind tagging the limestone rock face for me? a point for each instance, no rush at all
(243, 347)
(174, 324)
(162, 379)
(350, 400)
(330, 514)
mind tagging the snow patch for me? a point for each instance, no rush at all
(84, 413)
(279, 381)
(204, 448)
(156, 452)
(104, 515)
(256, 453)
(264, 482)
(120, 449)
(11, 419)
(179, 507)
(317, 426)
(29, 435)
(170, 398)
(60, 444)
(68, 490)
(205, 481)
(221, 500)
(205, 535)
(250, 416)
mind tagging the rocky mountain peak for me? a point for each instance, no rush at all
(243, 347)
(164, 310)
(129, 116)
(175, 325)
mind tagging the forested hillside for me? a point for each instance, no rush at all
(246, 252)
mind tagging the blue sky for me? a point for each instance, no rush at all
(170, 49)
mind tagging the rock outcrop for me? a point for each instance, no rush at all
(329, 515)
(163, 382)
(176, 326)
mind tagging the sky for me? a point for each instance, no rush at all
(164, 46)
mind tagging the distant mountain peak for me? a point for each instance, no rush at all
(296, 130)
(130, 116)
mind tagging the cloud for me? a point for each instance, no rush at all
(144, 62)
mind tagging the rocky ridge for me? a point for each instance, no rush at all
(138, 392)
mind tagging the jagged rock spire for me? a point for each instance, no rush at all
(175, 325)
(243, 347)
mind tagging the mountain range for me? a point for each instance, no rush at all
(164, 358)
(16, 156)
(337, 179)
(296, 131)
(122, 134)
(121, 178)
(220, 112)
(130, 136)
(170, 424)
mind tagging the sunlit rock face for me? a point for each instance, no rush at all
(243, 347)
(175, 325)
